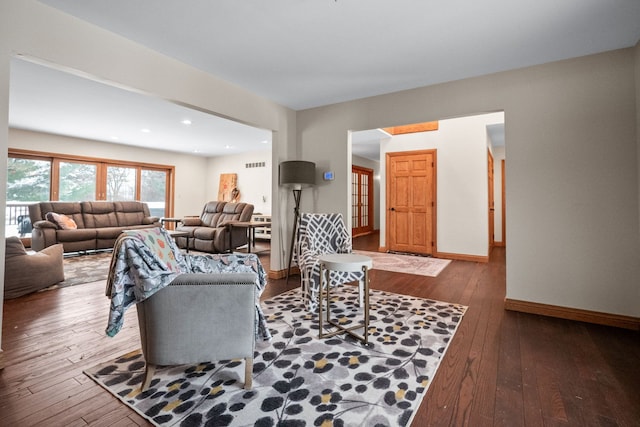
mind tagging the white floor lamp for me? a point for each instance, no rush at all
(296, 174)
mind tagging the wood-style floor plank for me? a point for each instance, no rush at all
(501, 369)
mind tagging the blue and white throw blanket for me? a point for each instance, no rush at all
(145, 261)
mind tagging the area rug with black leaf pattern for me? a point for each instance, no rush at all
(299, 379)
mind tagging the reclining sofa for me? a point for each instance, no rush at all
(86, 226)
(210, 231)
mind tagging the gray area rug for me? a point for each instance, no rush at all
(298, 378)
(86, 268)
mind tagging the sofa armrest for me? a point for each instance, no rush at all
(150, 220)
(226, 224)
(44, 224)
(191, 221)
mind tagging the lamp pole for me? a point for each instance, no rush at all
(296, 174)
(297, 192)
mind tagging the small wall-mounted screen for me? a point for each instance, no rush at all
(328, 176)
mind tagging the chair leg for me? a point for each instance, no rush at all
(148, 376)
(248, 372)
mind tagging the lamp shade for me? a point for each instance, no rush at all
(297, 173)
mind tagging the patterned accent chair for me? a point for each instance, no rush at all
(320, 234)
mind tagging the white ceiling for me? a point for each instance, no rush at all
(48, 100)
(308, 53)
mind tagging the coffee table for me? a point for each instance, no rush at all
(346, 263)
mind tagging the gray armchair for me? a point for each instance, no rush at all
(199, 318)
(191, 308)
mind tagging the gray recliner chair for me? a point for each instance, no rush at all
(199, 318)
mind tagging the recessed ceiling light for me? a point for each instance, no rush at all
(145, 130)
(186, 122)
(227, 146)
(115, 138)
(265, 141)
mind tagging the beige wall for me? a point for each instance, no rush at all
(4, 137)
(572, 184)
(637, 59)
(189, 169)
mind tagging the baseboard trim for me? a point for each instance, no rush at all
(461, 257)
(599, 318)
(446, 255)
(281, 274)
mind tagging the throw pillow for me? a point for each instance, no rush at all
(62, 221)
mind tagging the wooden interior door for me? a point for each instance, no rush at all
(411, 196)
(492, 239)
(361, 200)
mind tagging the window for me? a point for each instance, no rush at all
(36, 176)
(77, 181)
(121, 183)
(28, 180)
(153, 188)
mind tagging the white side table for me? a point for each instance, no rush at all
(345, 263)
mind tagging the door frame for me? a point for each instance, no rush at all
(361, 170)
(491, 198)
(434, 217)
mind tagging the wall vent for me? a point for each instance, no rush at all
(255, 165)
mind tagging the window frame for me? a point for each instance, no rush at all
(54, 160)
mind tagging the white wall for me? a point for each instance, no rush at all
(254, 183)
(189, 198)
(462, 181)
(572, 174)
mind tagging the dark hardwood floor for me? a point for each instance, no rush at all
(502, 368)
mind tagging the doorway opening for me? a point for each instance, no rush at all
(462, 197)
